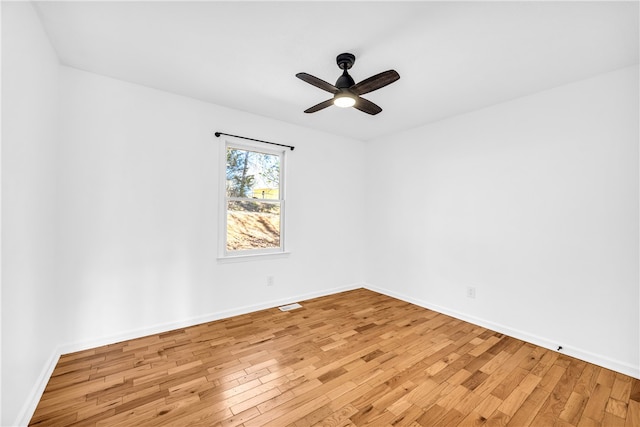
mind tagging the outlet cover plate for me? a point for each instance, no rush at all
(471, 292)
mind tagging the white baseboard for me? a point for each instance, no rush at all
(36, 394)
(25, 414)
(596, 359)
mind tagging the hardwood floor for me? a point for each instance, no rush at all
(355, 358)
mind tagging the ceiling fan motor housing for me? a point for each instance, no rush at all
(344, 81)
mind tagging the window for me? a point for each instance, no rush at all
(253, 200)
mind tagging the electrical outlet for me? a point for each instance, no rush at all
(270, 281)
(471, 292)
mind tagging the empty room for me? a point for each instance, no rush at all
(320, 213)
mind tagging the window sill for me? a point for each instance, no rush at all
(252, 257)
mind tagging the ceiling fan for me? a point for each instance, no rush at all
(346, 93)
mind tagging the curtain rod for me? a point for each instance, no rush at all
(217, 134)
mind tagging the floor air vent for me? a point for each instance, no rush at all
(290, 307)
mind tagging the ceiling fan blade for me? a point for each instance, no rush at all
(367, 106)
(319, 83)
(318, 107)
(375, 82)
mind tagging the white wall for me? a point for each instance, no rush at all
(534, 203)
(138, 197)
(29, 98)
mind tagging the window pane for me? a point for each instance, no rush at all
(252, 175)
(253, 225)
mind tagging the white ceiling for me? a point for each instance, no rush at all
(453, 57)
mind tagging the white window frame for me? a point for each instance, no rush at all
(224, 253)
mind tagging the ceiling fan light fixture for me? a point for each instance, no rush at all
(344, 100)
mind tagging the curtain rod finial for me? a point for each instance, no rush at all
(217, 134)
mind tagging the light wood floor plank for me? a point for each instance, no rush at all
(351, 359)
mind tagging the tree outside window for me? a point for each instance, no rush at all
(254, 202)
